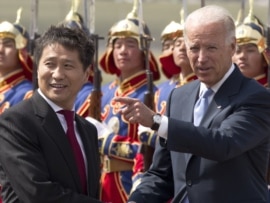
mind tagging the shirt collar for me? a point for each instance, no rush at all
(216, 86)
(55, 107)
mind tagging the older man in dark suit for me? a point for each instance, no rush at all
(43, 157)
(214, 139)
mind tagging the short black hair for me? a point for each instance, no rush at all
(70, 38)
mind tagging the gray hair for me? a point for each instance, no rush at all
(212, 14)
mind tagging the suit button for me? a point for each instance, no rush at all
(189, 182)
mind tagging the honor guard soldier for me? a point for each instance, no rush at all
(167, 42)
(175, 63)
(177, 69)
(15, 67)
(74, 20)
(250, 55)
(120, 146)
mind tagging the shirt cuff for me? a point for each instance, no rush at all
(163, 128)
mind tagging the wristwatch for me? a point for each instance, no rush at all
(156, 121)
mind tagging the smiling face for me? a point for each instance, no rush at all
(209, 50)
(249, 60)
(61, 74)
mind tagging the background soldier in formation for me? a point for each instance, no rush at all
(120, 147)
(176, 67)
(15, 67)
(250, 55)
(75, 20)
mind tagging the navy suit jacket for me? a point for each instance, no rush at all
(224, 160)
(37, 164)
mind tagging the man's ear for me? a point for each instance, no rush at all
(87, 72)
(233, 45)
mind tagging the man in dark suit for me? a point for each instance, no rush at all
(222, 158)
(38, 163)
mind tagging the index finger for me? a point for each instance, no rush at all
(125, 100)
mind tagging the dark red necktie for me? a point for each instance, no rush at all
(69, 115)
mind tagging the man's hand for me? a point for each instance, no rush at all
(135, 111)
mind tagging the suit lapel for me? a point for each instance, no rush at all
(52, 126)
(222, 98)
(190, 98)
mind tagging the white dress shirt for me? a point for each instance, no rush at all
(163, 128)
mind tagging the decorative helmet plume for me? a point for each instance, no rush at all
(19, 27)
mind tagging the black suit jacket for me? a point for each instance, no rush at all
(224, 160)
(37, 163)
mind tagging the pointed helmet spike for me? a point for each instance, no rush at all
(250, 7)
(18, 17)
(239, 17)
(75, 5)
(74, 8)
(250, 18)
(134, 13)
(182, 15)
(183, 12)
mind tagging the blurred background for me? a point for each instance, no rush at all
(156, 13)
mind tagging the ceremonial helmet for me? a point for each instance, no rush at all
(172, 31)
(74, 19)
(252, 31)
(168, 32)
(133, 27)
(8, 30)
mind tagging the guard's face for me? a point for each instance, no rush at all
(127, 56)
(249, 60)
(167, 47)
(8, 56)
(210, 51)
(61, 75)
(180, 54)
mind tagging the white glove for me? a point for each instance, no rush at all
(102, 128)
(143, 129)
